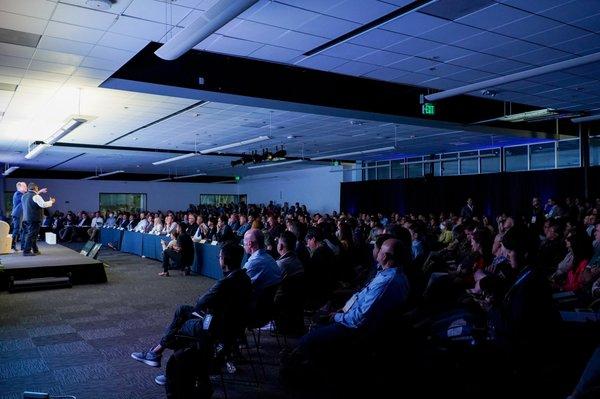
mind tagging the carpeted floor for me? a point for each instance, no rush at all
(78, 341)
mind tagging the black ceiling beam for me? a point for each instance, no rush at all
(223, 78)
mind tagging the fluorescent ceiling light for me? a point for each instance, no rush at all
(268, 165)
(588, 118)
(530, 73)
(180, 177)
(186, 176)
(177, 158)
(103, 174)
(66, 129)
(37, 150)
(10, 170)
(238, 144)
(208, 23)
(528, 116)
(347, 154)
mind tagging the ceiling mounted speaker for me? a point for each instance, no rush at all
(99, 4)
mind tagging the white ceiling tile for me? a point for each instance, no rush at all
(581, 46)
(100, 63)
(413, 64)
(320, 6)
(273, 53)
(138, 28)
(117, 7)
(572, 11)
(112, 54)
(14, 62)
(82, 81)
(591, 23)
(92, 73)
(16, 50)
(362, 11)
(414, 46)
(321, 62)
(254, 31)
(58, 57)
(234, 46)
(412, 78)
(475, 60)
(157, 11)
(348, 51)
(384, 74)
(472, 76)
(512, 48)
(10, 71)
(414, 24)
(379, 38)
(544, 56)
(382, 58)
(451, 33)
(355, 68)
(83, 16)
(51, 67)
(327, 26)
(51, 77)
(483, 41)
(298, 41)
(533, 6)
(280, 15)
(504, 67)
(558, 34)
(22, 23)
(32, 8)
(493, 16)
(526, 26)
(445, 53)
(68, 31)
(122, 42)
(64, 46)
(9, 79)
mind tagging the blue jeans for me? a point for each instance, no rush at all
(31, 231)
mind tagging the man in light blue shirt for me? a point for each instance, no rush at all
(260, 266)
(365, 315)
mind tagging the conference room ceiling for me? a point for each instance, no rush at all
(48, 78)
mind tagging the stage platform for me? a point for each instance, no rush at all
(54, 261)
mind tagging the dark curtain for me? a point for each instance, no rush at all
(492, 193)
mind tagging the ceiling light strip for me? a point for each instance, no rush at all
(37, 150)
(10, 170)
(103, 175)
(362, 152)
(268, 165)
(237, 144)
(173, 159)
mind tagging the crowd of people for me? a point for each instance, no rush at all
(456, 277)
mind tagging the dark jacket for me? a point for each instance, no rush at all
(17, 209)
(225, 234)
(186, 245)
(228, 302)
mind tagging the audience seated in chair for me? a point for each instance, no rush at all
(180, 252)
(225, 303)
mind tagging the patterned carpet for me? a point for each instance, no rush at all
(78, 341)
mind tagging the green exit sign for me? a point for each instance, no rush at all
(237, 178)
(428, 109)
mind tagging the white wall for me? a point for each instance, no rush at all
(318, 188)
(78, 195)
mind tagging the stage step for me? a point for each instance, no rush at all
(41, 283)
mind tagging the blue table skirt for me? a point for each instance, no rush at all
(152, 247)
(133, 243)
(206, 256)
(111, 236)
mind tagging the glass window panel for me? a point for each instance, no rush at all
(515, 158)
(437, 167)
(469, 165)
(450, 168)
(221, 199)
(415, 169)
(490, 160)
(568, 153)
(383, 170)
(398, 169)
(122, 202)
(595, 150)
(542, 156)
(371, 172)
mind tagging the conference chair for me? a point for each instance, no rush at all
(5, 238)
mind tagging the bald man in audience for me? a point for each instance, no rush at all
(260, 266)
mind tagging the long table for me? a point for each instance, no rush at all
(206, 255)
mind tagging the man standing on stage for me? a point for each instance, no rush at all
(17, 213)
(33, 205)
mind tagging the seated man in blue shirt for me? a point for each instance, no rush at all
(264, 274)
(364, 316)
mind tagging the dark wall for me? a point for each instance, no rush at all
(492, 193)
